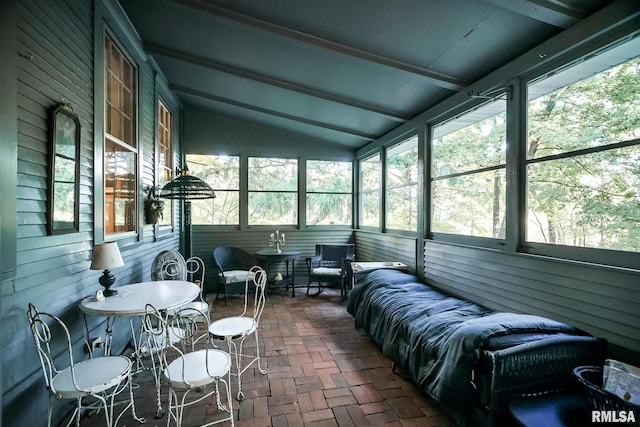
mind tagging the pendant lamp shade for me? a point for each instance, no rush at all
(186, 187)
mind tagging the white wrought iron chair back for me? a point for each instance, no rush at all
(235, 329)
(186, 363)
(101, 378)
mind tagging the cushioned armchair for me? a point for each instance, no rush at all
(331, 264)
(233, 266)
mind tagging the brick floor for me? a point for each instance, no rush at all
(322, 371)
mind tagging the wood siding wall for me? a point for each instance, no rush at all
(206, 239)
(602, 301)
(55, 51)
(384, 247)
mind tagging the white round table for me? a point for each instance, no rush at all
(131, 300)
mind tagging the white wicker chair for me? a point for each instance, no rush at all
(100, 378)
(186, 367)
(235, 330)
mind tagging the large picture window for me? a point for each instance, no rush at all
(370, 191)
(329, 193)
(468, 173)
(222, 173)
(273, 191)
(402, 186)
(120, 143)
(583, 155)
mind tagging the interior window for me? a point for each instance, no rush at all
(273, 191)
(222, 173)
(583, 154)
(370, 191)
(329, 192)
(402, 186)
(120, 144)
(165, 157)
(468, 173)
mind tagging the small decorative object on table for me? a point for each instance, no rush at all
(276, 239)
(153, 208)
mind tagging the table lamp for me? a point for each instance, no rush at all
(105, 256)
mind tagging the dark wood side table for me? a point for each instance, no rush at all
(268, 257)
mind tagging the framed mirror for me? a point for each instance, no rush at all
(63, 214)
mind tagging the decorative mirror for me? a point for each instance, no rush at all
(63, 212)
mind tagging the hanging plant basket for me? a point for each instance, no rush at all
(153, 208)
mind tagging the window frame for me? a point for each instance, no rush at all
(167, 168)
(387, 186)
(600, 256)
(108, 138)
(297, 192)
(307, 192)
(378, 191)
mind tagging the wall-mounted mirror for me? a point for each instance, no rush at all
(63, 212)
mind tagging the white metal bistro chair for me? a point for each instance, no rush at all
(235, 330)
(195, 272)
(186, 367)
(101, 378)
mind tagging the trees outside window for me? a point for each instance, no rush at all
(402, 186)
(222, 173)
(273, 191)
(583, 156)
(370, 191)
(468, 173)
(329, 192)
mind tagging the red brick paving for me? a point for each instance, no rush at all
(322, 372)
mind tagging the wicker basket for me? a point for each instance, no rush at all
(590, 377)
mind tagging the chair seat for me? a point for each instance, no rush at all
(232, 326)
(158, 340)
(326, 271)
(92, 376)
(196, 306)
(196, 372)
(233, 276)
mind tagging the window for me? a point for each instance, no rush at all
(165, 156)
(273, 191)
(329, 192)
(468, 173)
(583, 156)
(120, 144)
(402, 186)
(370, 191)
(222, 173)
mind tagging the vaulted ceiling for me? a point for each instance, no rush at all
(344, 71)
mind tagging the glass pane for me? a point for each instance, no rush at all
(471, 205)
(370, 174)
(370, 209)
(402, 163)
(272, 174)
(220, 172)
(599, 110)
(223, 210)
(65, 136)
(328, 209)
(120, 188)
(328, 176)
(65, 170)
(64, 203)
(273, 208)
(402, 208)
(589, 200)
(473, 141)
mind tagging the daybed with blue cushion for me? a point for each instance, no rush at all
(471, 359)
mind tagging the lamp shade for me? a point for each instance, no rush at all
(105, 256)
(186, 187)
